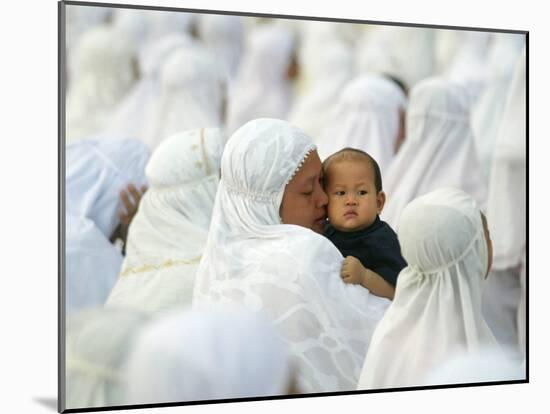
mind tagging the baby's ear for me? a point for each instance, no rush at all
(380, 201)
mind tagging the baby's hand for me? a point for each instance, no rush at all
(353, 271)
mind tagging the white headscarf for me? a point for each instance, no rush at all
(207, 354)
(168, 233)
(96, 171)
(366, 117)
(92, 264)
(289, 272)
(438, 150)
(488, 111)
(162, 22)
(436, 311)
(407, 53)
(104, 72)
(133, 114)
(326, 64)
(78, 20)
(506, 213)
(223, 35)
(193, 87)
(97, 344)
(468, 67)
(262, 88)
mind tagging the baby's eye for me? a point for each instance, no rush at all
(362, 192)
(340, 193)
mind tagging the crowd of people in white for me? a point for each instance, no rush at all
(218, 170)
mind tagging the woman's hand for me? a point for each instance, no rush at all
(130, 197)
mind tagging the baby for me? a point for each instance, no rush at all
(372, 253)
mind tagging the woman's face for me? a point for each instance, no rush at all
(304, 201)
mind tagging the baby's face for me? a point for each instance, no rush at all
(353, 202)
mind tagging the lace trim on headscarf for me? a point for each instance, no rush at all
(251, 195)
(307, 153)
(466, 251)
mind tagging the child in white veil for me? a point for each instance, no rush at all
(436, 311)
(262, 253)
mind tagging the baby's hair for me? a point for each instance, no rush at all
(354, 154)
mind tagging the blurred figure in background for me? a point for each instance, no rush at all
(96, 173)
(263, 87)
(368, 116)
(487, 113)
(132, 116)
(406, 53)
(438, 150)
(193, 90)
(504, 291)
(104, 72)
(208, 354)
(326, 64)
(98, 342)
(168, 233)
(224, 37)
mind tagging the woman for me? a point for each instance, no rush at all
(97, 344)
(264, 252)
(368, 115)
(262, 87)
(207, 354)
(97, 171)
(168, 233)
(438, 151)
(104, 72)
(504, 292)
(436, 311)
(130, 117)
(192, 95)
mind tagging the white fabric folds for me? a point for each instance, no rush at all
(436, 311)
(207, 354)
(168, 233)
(92, 264)
(287, 271)
(96, 171)
(366, 117)
(438, 150)
(192, 90)
(97, 345)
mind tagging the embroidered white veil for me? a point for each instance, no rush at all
(289, 272)
(168, 233)
(436, 311)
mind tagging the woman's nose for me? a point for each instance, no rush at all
(322, 198)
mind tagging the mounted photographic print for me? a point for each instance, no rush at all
(265, 207)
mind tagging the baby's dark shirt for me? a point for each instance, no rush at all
(376, 247)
